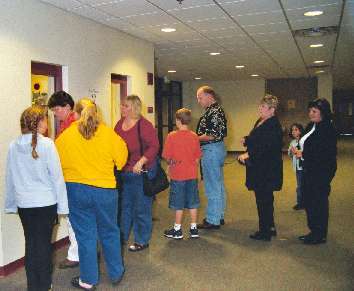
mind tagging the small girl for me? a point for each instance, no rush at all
(35, 189)
(296, 132)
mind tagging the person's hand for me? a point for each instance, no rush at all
(138, 167)
(298, 153)
(293, 150)
(242, 141)
(242, 158)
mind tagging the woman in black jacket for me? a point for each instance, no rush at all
(319, 156)
(264, 164)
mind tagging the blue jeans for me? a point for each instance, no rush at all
(299, 187)
(213, 175)
(136, 209)
(93, 215)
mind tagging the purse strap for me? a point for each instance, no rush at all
(140, 139)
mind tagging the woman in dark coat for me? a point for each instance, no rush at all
(318, 152)
(264, 164)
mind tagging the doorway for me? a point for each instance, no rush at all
(168, 99)
(119, 90)
(45, 80)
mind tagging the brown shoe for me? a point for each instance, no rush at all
(68, 264)
(207, 225)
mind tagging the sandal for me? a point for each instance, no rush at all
(76, 283)
(137, 247)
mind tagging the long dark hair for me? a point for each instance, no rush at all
(299, 126)
(323, 106)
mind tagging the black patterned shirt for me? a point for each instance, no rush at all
(213, 123)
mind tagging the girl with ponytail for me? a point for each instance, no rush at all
(89, 150)
(35, 189)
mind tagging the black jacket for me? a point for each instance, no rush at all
(264, 169)
(320, 153)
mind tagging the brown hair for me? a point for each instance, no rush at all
(209, 90)
(271, 101)
(30, 119)
(89, 119)
(184, 115)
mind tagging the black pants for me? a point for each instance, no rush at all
(264, 200)
(38, 225)
(316, 206)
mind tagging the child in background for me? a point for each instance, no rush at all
(182, 153)
(35, 188)
(296, 132)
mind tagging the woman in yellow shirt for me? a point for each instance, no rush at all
(88, 151)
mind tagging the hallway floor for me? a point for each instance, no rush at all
(227, 259)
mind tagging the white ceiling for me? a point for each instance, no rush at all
(254, 33)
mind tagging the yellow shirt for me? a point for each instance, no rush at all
(91, 162)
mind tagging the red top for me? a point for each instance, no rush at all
(66, 123)
(181, 150)
(149, 138)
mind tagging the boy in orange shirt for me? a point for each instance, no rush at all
(182, 153)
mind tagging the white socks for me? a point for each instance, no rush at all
(177, 226)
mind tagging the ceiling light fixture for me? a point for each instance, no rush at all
(313, 13)
(239, 67)
(319, 72)
(197, 78)
(316, 45)
(318, 62)
(171, 71)
(214, 54)
(254, 75)
(168, 29)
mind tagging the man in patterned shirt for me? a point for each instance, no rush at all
(212, 129)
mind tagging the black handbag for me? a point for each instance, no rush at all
(159, 182)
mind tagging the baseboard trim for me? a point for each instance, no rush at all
(15, 265)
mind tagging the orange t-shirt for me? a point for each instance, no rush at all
(182, 150)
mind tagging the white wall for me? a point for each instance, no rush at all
(31, 30)
(325, 87)
(240, 101)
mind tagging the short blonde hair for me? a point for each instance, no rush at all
(271, 101)
(136, 104)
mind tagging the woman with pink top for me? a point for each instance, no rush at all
(136, 208)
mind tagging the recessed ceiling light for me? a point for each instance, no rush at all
(239, 67)
(214, 54)
(319, 72)
(318, 62)
(171, 71)
(316, 45)
(197, 78)
(313, 13)
(168, 29)
(254, 75)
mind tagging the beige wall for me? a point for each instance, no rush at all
(31, 30)
(240, 101)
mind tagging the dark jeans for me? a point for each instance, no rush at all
(264, 200)
(38, 225)
(299, 187)
(316, 206)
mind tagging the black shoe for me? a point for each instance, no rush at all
(207, 225)
(313, 240)
(76, 283)
(222, 221)
(193, 233)
(273, 231)
(303, 237)
(261, 236)
(298, 207)
(172, 233)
